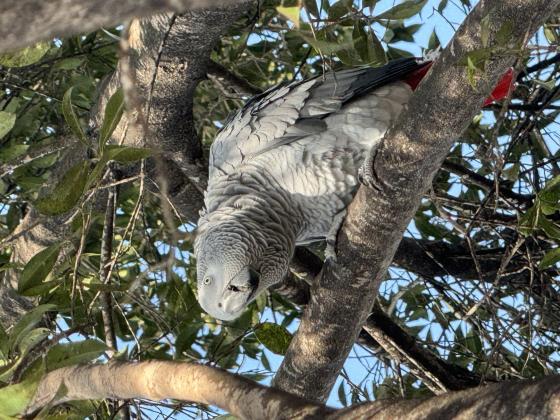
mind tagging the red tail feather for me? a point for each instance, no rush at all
(501, 91)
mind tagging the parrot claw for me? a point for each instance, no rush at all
(367, 175)
(338, 220)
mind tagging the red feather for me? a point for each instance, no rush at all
(501, 91)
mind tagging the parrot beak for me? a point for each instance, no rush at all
(235, 297)
(254, 280)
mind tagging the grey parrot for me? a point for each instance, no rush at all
(282, 171)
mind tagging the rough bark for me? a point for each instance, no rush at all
(400, 172)
(25, 22)
(538, 399)
(157, 380)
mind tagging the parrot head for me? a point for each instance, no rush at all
(236, 261)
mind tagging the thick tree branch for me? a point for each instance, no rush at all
(401, 171)
(157, 380)
(25, 22)
(538, 399)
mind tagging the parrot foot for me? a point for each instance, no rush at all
(367, 175)
(338, 220)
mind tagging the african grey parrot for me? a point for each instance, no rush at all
(282, 169)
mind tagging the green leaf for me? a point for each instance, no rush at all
(549, 34)
(126, 154)
(369, 3)
(273, 337)
(338, 9)
(550, 258)
(7, 122)
(548, 85)
(368, 46)
(25, 56)
(485, 30)
(28, 341)
(528, 221)
(121, 154)
(404, 10)
(503, 35)
(71, 117)
(38, 268)
(311, 7)
(67, 192)
(290, 13)
(434, 41)
(376, 53)
(68, 354)
(321, 44)
(442, 5)
(14, 399)
(70, 63)
(342, 394)
(8, 153)
(113, 113)
(27, 322)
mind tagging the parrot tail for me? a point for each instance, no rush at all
(501, 91)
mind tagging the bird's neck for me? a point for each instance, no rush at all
(249, 197)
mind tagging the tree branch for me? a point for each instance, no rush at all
(158, 380)
(237, 83)
(26, 22)
(485, 183)
(401, 171)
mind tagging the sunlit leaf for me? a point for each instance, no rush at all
(7, 122)
(26, 56)
(403, 10)
(550, 258)
(273, 337)
(69, 354)
(15, 398)
(291, 13)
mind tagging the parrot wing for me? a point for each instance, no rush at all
(289, 112)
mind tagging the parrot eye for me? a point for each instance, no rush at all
(207, 280)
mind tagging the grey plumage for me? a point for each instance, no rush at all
(281, 170)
